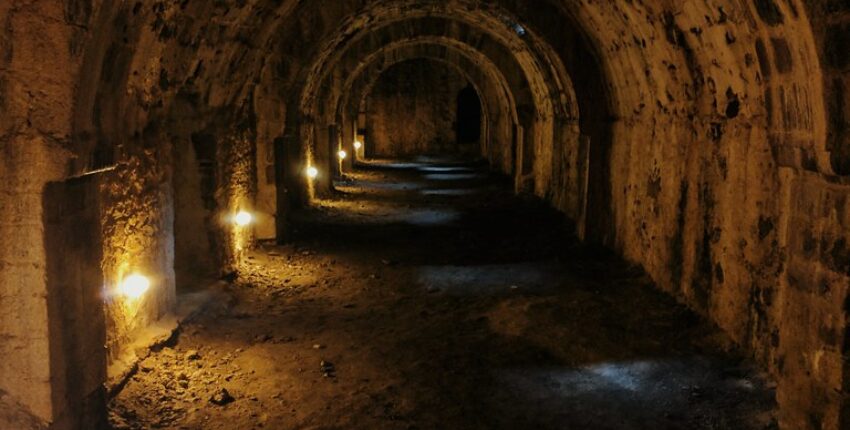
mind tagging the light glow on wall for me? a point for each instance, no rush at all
(243, 219)
(312, 172)
(135, 285)
(342, 155)
(358, 144)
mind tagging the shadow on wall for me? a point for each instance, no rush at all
(194, 206)
(75, 301)
(469, 122)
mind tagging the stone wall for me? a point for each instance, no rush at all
(193, 183)
(138, 222)
(736, 212)
(34, 128)
(412, 110)
(73, 214)
(73, 101)
(819, 231)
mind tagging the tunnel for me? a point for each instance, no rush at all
(425, 214)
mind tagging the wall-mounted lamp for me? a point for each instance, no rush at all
(135, 285)
(358, 144)
(342, 155)
(312, 172)
(243, 218)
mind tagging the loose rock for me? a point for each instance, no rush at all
(222, 397)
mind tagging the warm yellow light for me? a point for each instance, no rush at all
(134, 286)
(243, 218)
(342, 155)
(358, 144)
(312, 172)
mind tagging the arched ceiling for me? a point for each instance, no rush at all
(450, 50)
(499, 107)
(697, 66)
(484, 76)
(473, 26)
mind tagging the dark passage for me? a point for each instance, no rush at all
(468, 116)
(414, 214)
(426, 296)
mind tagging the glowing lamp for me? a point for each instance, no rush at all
(134, 286)
(312, 172)
(342, 155)
(358, 144)
(243, 218)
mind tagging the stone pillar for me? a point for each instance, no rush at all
(27, 164)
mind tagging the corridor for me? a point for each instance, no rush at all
(425, 295)
(425, 214)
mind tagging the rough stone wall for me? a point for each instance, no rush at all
(818, 270)
(193, 240)
(412, 110)
(137, 238)
(728, 203)
(271, 115)
(831, 19)
(155, 75)
(77, 327)
(73, 99)
(235, 191)
(15, 416)
(34, 128)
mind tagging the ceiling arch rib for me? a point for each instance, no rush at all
(448, 50)
(332, 28)
(438, 19)
(537, 113)
(493, 113)
(497, 99)
(501, 98)
(486, 78)
(363, 53)
(540, 116)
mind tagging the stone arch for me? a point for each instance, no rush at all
(373, 77)
(542, 123)
(382, 125)
(499, 98)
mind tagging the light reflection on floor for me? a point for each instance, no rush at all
(366, 186)
(454, 176)
(627, 395)
(376, 214)
(446, 169)
(429, 217)
(490, 279)
(393, 164)
(452, 192)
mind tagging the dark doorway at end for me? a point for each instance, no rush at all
(468, 124)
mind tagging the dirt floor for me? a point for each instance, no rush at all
(425, 296)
